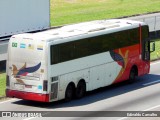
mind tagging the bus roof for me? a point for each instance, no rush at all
(91, 28)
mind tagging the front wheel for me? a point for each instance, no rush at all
(132, 75)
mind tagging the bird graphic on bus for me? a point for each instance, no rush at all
(117, 57)
(24, 71)
(121, 59)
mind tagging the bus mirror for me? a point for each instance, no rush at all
(152, 49)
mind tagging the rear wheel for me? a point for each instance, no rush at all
(81, 89)
(69, 92)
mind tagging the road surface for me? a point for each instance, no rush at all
(142, 95)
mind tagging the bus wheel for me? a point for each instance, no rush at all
(81, 89)
(69, 93)
(133, 74)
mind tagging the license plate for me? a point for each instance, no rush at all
(19, 86)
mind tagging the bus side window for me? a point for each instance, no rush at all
(66, 52)
(134, 36)
(147, 52)
(81, 48)
(109, 42)
(54, 54)
(145, 43)
(95, 45)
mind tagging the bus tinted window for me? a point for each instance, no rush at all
(145, 43)
(134, 35)
(145, 33)
(54, 54)
(66, 52)
(94, 45)
(81, 48)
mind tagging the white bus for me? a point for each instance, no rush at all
(68, 61)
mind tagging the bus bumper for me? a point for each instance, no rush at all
(27, 95)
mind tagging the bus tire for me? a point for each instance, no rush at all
(81, 89)
(69, 93)
(133, 74)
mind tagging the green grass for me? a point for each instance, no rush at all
(156, 54)
(2, 84)
(73, 11)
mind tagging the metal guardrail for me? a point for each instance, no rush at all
(3, 48)
(153, 21)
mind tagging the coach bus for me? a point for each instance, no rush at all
(66, 62)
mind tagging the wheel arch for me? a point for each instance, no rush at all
(72, 84)
(135, 68)
(81, 80)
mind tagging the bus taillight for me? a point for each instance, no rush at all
(45, 85)
(7, 81)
